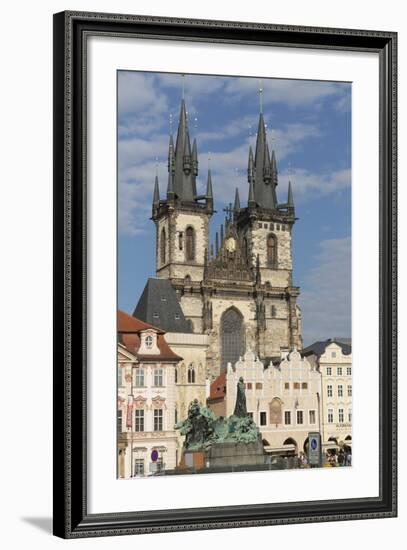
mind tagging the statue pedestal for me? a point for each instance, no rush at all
(192, 460)
(223, 455)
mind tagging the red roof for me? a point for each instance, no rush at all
(128, 323)
(218, 387)
(129, 328)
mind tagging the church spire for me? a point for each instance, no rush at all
(183, 178)
(156, 195)
(236, 207)
(194, 158)
(290, 198)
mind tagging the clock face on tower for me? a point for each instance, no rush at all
(230, 244)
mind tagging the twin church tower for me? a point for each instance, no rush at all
(237, 287)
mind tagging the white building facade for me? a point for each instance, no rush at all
(283, 400)
(333, 358)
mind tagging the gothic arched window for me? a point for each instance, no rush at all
(190, 243)
(191, 375)
(271, 250)
(232, 337)
(162, 246)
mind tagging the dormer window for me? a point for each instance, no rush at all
(149, 342)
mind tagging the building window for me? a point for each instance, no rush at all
(249, 385)
(259, 386)
(339, 371)
(300, 417)
(232, 337)
(273, 311)
(333, 354)
(329, 371)
(330, 416)
(272, 226)
(191, 375)
(250, 414)
(312, 417)
(176, 375)
(119, 421)
(341, 415)
(162, 246)
(296, 385)
(340, 390)
(263, 418)
(286, 385)
(139, 378)
(190, 243)
(329, 390)
(158, 420)
(139, 420)
(180, 238)
(287, 418)
(120, 376)
(176, 416)
(350, 415)
(149, 342)
(271, 250)
(139, 467)
(158, 377)
(304, 385)
(349, 371)
(350, 390)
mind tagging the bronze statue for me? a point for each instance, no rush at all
(240, 407)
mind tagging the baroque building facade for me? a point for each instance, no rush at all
(283, 399)
(147, 442)
(236, 288)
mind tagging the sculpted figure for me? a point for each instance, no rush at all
(240, 407)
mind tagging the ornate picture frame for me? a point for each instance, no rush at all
(71, 512)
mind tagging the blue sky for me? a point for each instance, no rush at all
(308, 125)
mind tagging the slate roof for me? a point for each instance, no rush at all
(318, 348)
(159, 306)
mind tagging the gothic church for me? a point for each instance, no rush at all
(236, 288)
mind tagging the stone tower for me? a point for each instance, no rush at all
(236, 288)
(182, 220)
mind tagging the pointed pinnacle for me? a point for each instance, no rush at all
(290, 199)
(237, 201)
(251, 199)
(250, 166)
(209, 190)
(274, 172)
(156, 195)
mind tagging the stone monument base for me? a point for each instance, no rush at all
(229, 454)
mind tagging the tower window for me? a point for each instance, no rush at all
(190, 243)
(191, 375)
(271, 250)
(162, 246)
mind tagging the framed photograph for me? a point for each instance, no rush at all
(224, 274)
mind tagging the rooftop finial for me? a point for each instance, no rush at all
(170, 123)
(183, 86)
(261, 96)
(156, 166)
(209, 160)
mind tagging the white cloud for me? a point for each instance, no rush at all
(310, 185)
(293, 93)
(326, 294)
